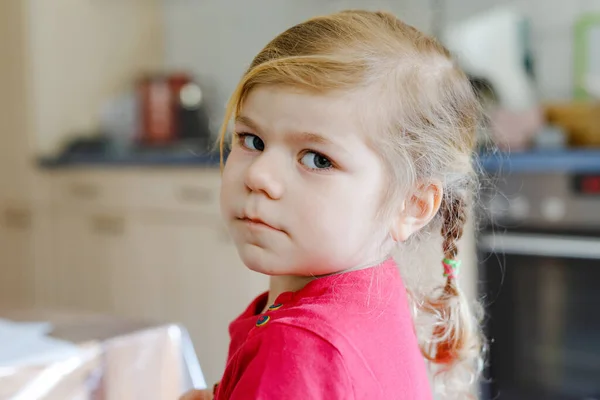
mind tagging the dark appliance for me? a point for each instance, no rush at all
(539, 258)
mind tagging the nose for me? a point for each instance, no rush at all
(265, 175)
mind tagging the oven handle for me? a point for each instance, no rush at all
(541, 245)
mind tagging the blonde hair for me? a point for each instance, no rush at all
(426, 115)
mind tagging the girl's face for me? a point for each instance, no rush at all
(301, 187)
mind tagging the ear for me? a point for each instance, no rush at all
(417, 210)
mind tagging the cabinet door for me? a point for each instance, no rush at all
(15, 256)
(45, 282)
(187, 271)
(15, 110)
(88, 246)
(138, 283)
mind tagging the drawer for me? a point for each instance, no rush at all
(90, 188)
(41, 185)
(195, 191)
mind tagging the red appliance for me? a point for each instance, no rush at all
(159, 106)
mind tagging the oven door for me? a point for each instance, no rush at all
(542, 298)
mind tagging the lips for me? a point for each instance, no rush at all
(257, 222)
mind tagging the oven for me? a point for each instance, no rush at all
(539, 277)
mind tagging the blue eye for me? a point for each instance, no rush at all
(314, 160)
(252, 142)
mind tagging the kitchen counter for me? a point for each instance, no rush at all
(572, 161)
(185, 159)
(496, 163)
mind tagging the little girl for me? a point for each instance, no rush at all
(353, 135)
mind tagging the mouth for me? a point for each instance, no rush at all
(257, 223)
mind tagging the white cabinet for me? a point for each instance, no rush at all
(45, 279)
(138, 279)
(87, 247)
(16, 276)
(59, 62)
(144, 244)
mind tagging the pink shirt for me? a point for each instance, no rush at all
(347, 336)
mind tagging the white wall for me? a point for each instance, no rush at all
(193, 29)
(81, 54)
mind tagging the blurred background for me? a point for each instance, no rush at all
(109, 177)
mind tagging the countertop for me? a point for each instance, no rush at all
(542, 161)
(184, 159)
(578, 161)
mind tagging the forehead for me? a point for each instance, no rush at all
(281, 109)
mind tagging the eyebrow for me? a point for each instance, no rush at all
(246, 121)
(303, 137)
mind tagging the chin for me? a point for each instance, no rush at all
(264, 262)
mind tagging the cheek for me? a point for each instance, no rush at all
(340, 212)
(232, 179)
(235, 168)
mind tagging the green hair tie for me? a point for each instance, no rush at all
(451, 268)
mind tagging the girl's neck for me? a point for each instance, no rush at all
(291, 283)
(285, 283)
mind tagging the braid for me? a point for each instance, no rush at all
(454, 216)
(448, 337)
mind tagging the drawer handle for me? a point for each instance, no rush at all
(17, 218)
(83, 191)
(191, 194)
(108, 225)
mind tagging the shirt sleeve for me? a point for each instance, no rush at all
(294, 363)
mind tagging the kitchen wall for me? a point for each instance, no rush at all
(244, 27)
(81, 53)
